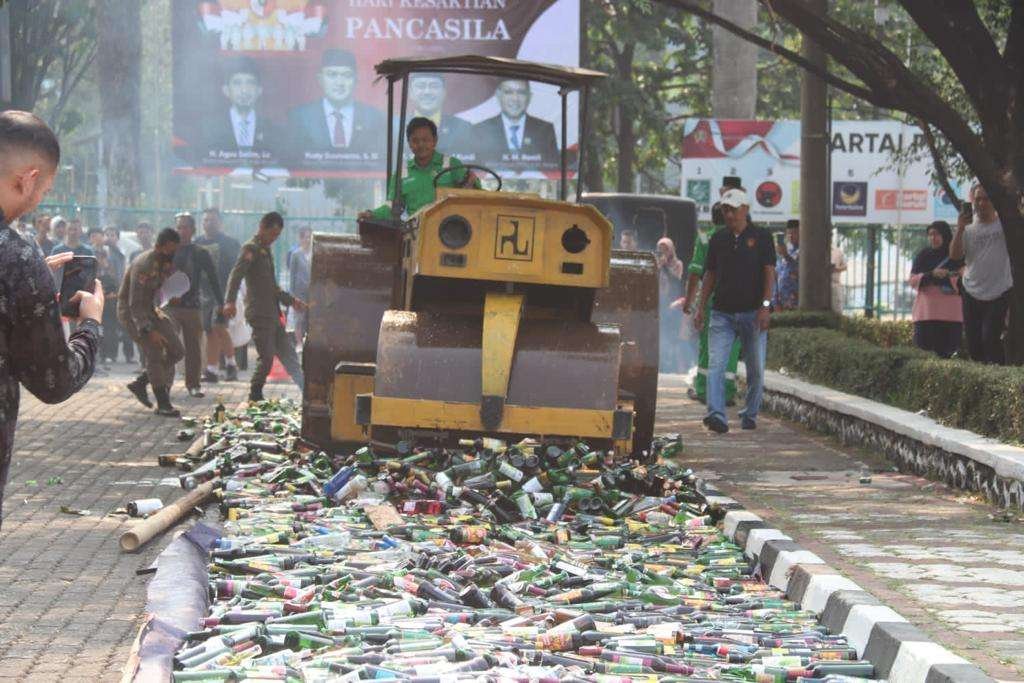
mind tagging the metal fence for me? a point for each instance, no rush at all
(878, 262)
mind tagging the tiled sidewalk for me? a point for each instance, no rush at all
(71, 602)
(942, 558)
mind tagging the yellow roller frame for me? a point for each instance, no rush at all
(441, 415)
(502, 313)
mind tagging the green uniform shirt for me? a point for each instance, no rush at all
(262, 295)
(700, 253)
(418, 184)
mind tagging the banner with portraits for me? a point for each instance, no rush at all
(287, 87)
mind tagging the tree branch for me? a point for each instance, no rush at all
(955, 28)
(890, 81)
(71, 76)
(890, 84)
(940, 166)
(609, 41)
(1013, 53)
(693, 8)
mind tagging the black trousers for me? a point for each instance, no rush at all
(111, 339)
(938, 336)
(984, 324)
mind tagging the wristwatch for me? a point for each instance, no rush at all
(766, 304)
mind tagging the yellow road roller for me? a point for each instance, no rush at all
(485, 313)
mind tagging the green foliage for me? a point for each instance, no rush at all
(885, 20)
(833, 359)
(658, 59)
(984, 399)
(826, 319)
(883, 333)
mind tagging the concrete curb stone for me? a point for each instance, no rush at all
(901, 652)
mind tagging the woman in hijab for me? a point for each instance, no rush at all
(670, 289)
(937, 313)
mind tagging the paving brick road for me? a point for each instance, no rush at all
(933, 554)
(71, 603)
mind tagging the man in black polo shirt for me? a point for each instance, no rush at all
(740, 272)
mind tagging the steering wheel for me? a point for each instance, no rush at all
(467, 167)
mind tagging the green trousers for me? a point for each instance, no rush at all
(700, 381)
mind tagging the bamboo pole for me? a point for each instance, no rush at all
(144, 531)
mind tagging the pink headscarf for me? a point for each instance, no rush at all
(673, 264)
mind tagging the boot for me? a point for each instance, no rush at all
(163, 403)
(255, 393)
(138, 387)
(231, 374)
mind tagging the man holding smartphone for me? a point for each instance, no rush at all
(33, 351)
(787, 267)
(980, 242)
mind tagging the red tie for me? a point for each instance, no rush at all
(339, 130)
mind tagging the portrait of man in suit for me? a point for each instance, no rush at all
(426, 99)
(336, 122)
(242, 128)
(513, 135)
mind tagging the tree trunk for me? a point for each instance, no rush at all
(625, 136)
(591, 171)
(815, 224)
(734, 76)
(1013, 228)
(119, 66)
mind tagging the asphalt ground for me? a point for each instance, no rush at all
(72, 602)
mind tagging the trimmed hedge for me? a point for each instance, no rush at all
(826, 319)
(887, 333)
(984, 399)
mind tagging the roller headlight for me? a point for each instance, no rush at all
(455, 232)
(575, 240)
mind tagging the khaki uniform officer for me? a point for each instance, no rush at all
(263, 301)
(149, 326)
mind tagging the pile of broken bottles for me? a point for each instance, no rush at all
(490, 562)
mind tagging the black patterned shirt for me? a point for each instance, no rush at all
(33, 351)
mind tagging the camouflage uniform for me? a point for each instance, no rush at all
(139, 315)
(32, 347)
(263, 301)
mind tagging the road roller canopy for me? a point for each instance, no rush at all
(567, 77)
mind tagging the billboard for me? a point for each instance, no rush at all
(288, 87)
(867, 185)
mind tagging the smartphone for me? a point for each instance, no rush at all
(967, 209)
(79, 275)
(781, 239)
(732, 181)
